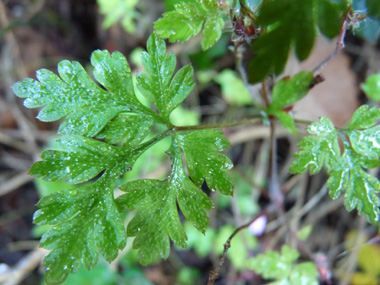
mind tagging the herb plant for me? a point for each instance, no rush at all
(105, 129)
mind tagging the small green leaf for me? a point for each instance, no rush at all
(290, 90)
(319, 150)
(115, 10)
(282, 267)
(184, 117)
(304, 273)
(304, 233)
(286, 92)
(364, 117)
(157, 216)
(286, 120)
(329, 17)
(233, 88)
(361, 188)
(187, 21)
(371, 87)
(212, 31)
(273, 264)
(87, 107)
(157, 84)
(203, 160)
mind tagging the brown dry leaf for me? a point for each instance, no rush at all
(336, 97)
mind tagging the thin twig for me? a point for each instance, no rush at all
(14, 183)
(339, 45)
(214, 274)
(23, 267)
(252, 121)
(352, 259)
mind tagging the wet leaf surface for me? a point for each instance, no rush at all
(203, 160)
(187, 21)
(157, 216)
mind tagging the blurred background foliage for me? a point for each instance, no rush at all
(38, 34)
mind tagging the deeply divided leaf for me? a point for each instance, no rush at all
(187, 20)
(347, 171)
(329, 17)
(157, 217)
(87, 107)
(319, 150)
(203, 160)
(293, 24)
(158, 84)
(81, 160)
(85, 221)
(361, 188)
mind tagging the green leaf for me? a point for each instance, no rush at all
(85, 221)
(371, 87)
(291, 23)
(304, 273)
(304, 233)
(273, 264)
(233, 88)
(127, 129)
(157, 84)
(115, 10)
(361, 141)
(282, 267)
(290, 90)
(212, 31)
(286, 120)
(361, 188)
(187, 21)
(366, 142)
(87, 107)
(318, 150)
(157, 216)
(201, 243)
(203, 160)
(286, 92)
(364, 117)
(329, 17)
(81, 160)
(374, 8)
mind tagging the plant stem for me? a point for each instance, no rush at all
(143, 147)
(251, 121)
(214, 274)
(274, 187)
(339, 45)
